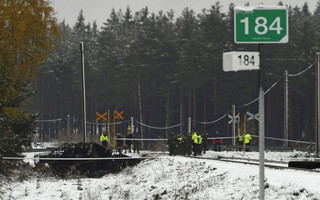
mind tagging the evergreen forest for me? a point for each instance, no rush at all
(162, 68)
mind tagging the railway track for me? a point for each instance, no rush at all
(273, 164)
(268, 163)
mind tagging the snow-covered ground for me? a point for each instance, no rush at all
(165, 177)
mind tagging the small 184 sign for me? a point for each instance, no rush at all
(241, 60)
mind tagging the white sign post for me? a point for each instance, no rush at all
(258, 25)
(241, 60)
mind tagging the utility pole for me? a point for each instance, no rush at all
(49, 131)
(317, 98)
(68, 129)
(84, 119)
(181, 114)
(286, 115)
(234, 125)
(132, 126)
(189, 125)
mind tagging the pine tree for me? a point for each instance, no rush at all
(316, 22)
(317, 11)
(189, 58)
(80, 25)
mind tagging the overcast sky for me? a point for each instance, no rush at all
(99, 10)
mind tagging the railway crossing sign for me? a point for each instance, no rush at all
(101, 116)
(253, 116)
(235, 119)
(262, 24)
(116, 114)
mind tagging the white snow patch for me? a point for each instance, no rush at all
(178, 178)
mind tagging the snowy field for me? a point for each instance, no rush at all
(165, 177)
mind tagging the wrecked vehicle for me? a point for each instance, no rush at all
(88, 159)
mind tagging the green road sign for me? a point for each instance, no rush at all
(261, 24)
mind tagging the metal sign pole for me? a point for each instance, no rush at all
(234, 125)
(251, 33)
(261, 143)
(261, 129)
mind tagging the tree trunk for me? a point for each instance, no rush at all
(214, 96)
(194, 107)
(189, 104)
(167, 113)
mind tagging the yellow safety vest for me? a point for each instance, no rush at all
(179, 140)
(103, 138)
(195, 138)
(199, 139)
(247, 138)
(240, 137)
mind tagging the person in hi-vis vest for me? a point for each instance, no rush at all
(104, 139)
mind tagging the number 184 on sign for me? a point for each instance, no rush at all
(241, 60)
(261, 24)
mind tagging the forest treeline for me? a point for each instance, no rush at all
(162, 68)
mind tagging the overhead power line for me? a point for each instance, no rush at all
(303, 71)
